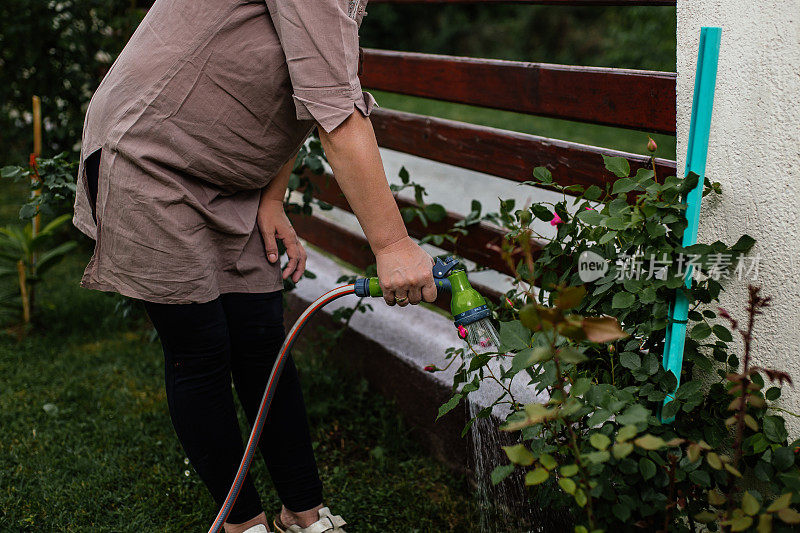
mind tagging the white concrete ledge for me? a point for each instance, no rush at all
(417, 335)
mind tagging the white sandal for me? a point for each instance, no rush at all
(258, 528)
(327, 523)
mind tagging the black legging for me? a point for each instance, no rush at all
(204, 343)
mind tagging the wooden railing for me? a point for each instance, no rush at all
(631, 99)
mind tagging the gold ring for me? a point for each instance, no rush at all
(400, 300)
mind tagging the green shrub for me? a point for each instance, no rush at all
(598, 446)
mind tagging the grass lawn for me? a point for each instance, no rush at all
(607, 137)
(87, 444)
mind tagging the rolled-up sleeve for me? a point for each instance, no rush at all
(320, 42)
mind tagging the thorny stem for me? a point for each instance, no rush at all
(576, 452)
(754, 304)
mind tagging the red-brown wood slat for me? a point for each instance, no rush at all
(499, 152)
(542, 2)
(472, 246)
(635, 99)
(354, 248)
(332, 238)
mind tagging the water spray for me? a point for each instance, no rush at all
(469, 311)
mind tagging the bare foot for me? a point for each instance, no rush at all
(302, 519)
(240, 528)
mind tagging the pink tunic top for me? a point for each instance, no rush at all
(201, 109)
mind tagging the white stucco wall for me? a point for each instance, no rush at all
(755, 155)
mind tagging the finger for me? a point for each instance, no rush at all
(271, 246)
(301, 265)
(429, 292)
(388, 296)
(414, 295)
(401, 296)
(293, 253)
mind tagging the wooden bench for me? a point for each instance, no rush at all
(631, 99)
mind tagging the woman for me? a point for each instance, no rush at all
(188, 146)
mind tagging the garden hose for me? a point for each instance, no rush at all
(269, 392)
(470, 314)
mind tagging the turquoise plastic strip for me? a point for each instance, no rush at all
(700, 128)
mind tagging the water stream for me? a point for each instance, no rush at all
(504, 507)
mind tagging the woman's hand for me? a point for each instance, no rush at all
(274, 224)
(405, 273)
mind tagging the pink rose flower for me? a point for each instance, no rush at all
(462, 332)
(556, 220)
(430, 368)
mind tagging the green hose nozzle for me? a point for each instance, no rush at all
(466, 304)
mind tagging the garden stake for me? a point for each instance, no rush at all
(469, 312)
(696, 158)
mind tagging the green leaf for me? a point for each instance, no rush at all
(630, 360)
(741, 523)
(744, 244)
(647, 468)
(435, 212)
(749, 504)
(714, 461)
(621, 450)
(705, 517)
(626, 433)
(622, 300)
(543, 175)
(593, 193)
(618, 166)
(571, 355)
(403, 174)
(774, 429)
(670, 409)
(581, 387)
(580, 498)
(536, 476)
(569, 470)
(593, 218)
(789, 516)
(547, 461)
(783, 458)
(519, 454)
(781, 502)
(764, 523)
(700, 477)
(623, 186)
(541, 212)
(449, 406)
(650, 442)
(688, 390)
(599, 441)
(501, 472)
(635, 414)
(773, 393)
(621, 511)
(700, 331)
(722, 333)
(531, 356)
(567, 485)
(514, 336)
